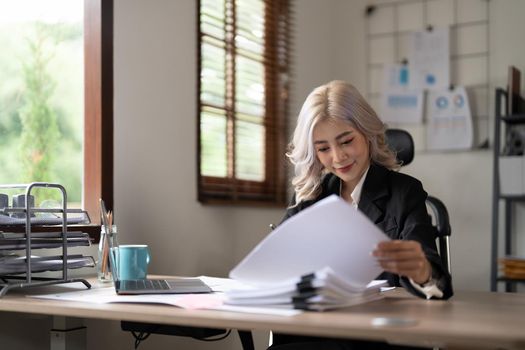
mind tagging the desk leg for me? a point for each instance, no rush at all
(246, 340)
(68, 333)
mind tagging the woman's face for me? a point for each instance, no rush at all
(342, 150)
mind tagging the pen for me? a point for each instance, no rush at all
(107, 222)
(104, 215)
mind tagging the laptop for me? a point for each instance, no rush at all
(154, 286)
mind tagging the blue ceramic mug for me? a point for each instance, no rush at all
(133, 261)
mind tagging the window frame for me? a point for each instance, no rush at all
(98, 111)
(231, 190)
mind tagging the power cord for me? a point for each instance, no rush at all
(139, 337)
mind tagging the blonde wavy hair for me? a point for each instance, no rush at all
(336, 100)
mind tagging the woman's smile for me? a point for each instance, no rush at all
(344, 169)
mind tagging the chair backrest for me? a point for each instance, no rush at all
(401, 142)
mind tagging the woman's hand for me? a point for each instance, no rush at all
(405, 258)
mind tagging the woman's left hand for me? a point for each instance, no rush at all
(405, 258)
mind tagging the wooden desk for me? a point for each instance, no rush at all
(469, 320)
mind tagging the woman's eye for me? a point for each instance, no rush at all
(346, 142)
(322, 149)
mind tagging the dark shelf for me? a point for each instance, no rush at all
(514, 119)
(503, 123)
(511, 280)
(513, 197)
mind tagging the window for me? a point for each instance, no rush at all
(69, 43)
(242, 101)
(41, 95)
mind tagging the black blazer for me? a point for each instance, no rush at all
(395, 202)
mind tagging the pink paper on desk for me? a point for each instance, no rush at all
(200, 301)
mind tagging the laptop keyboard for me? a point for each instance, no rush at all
(145, 285)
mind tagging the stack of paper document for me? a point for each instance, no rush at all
(330, 238)
(319, 291)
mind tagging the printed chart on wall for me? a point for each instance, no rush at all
(449, 125)
(400, 104)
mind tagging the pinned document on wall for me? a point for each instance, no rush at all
(430, 59)
(449, 125)
(400, 104)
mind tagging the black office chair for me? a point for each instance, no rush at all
(401, 142)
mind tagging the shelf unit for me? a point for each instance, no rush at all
(503, 123)
(10, 281)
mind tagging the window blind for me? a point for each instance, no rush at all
(242, 102)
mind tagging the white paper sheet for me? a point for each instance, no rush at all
(449, 125)
(213, 301)
(329, 233)
(429, 59)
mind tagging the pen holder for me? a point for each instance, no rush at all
(107, 240)
(4, 203)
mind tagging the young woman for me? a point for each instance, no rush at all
(339, 148)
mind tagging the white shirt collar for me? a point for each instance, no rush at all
(356, 193)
